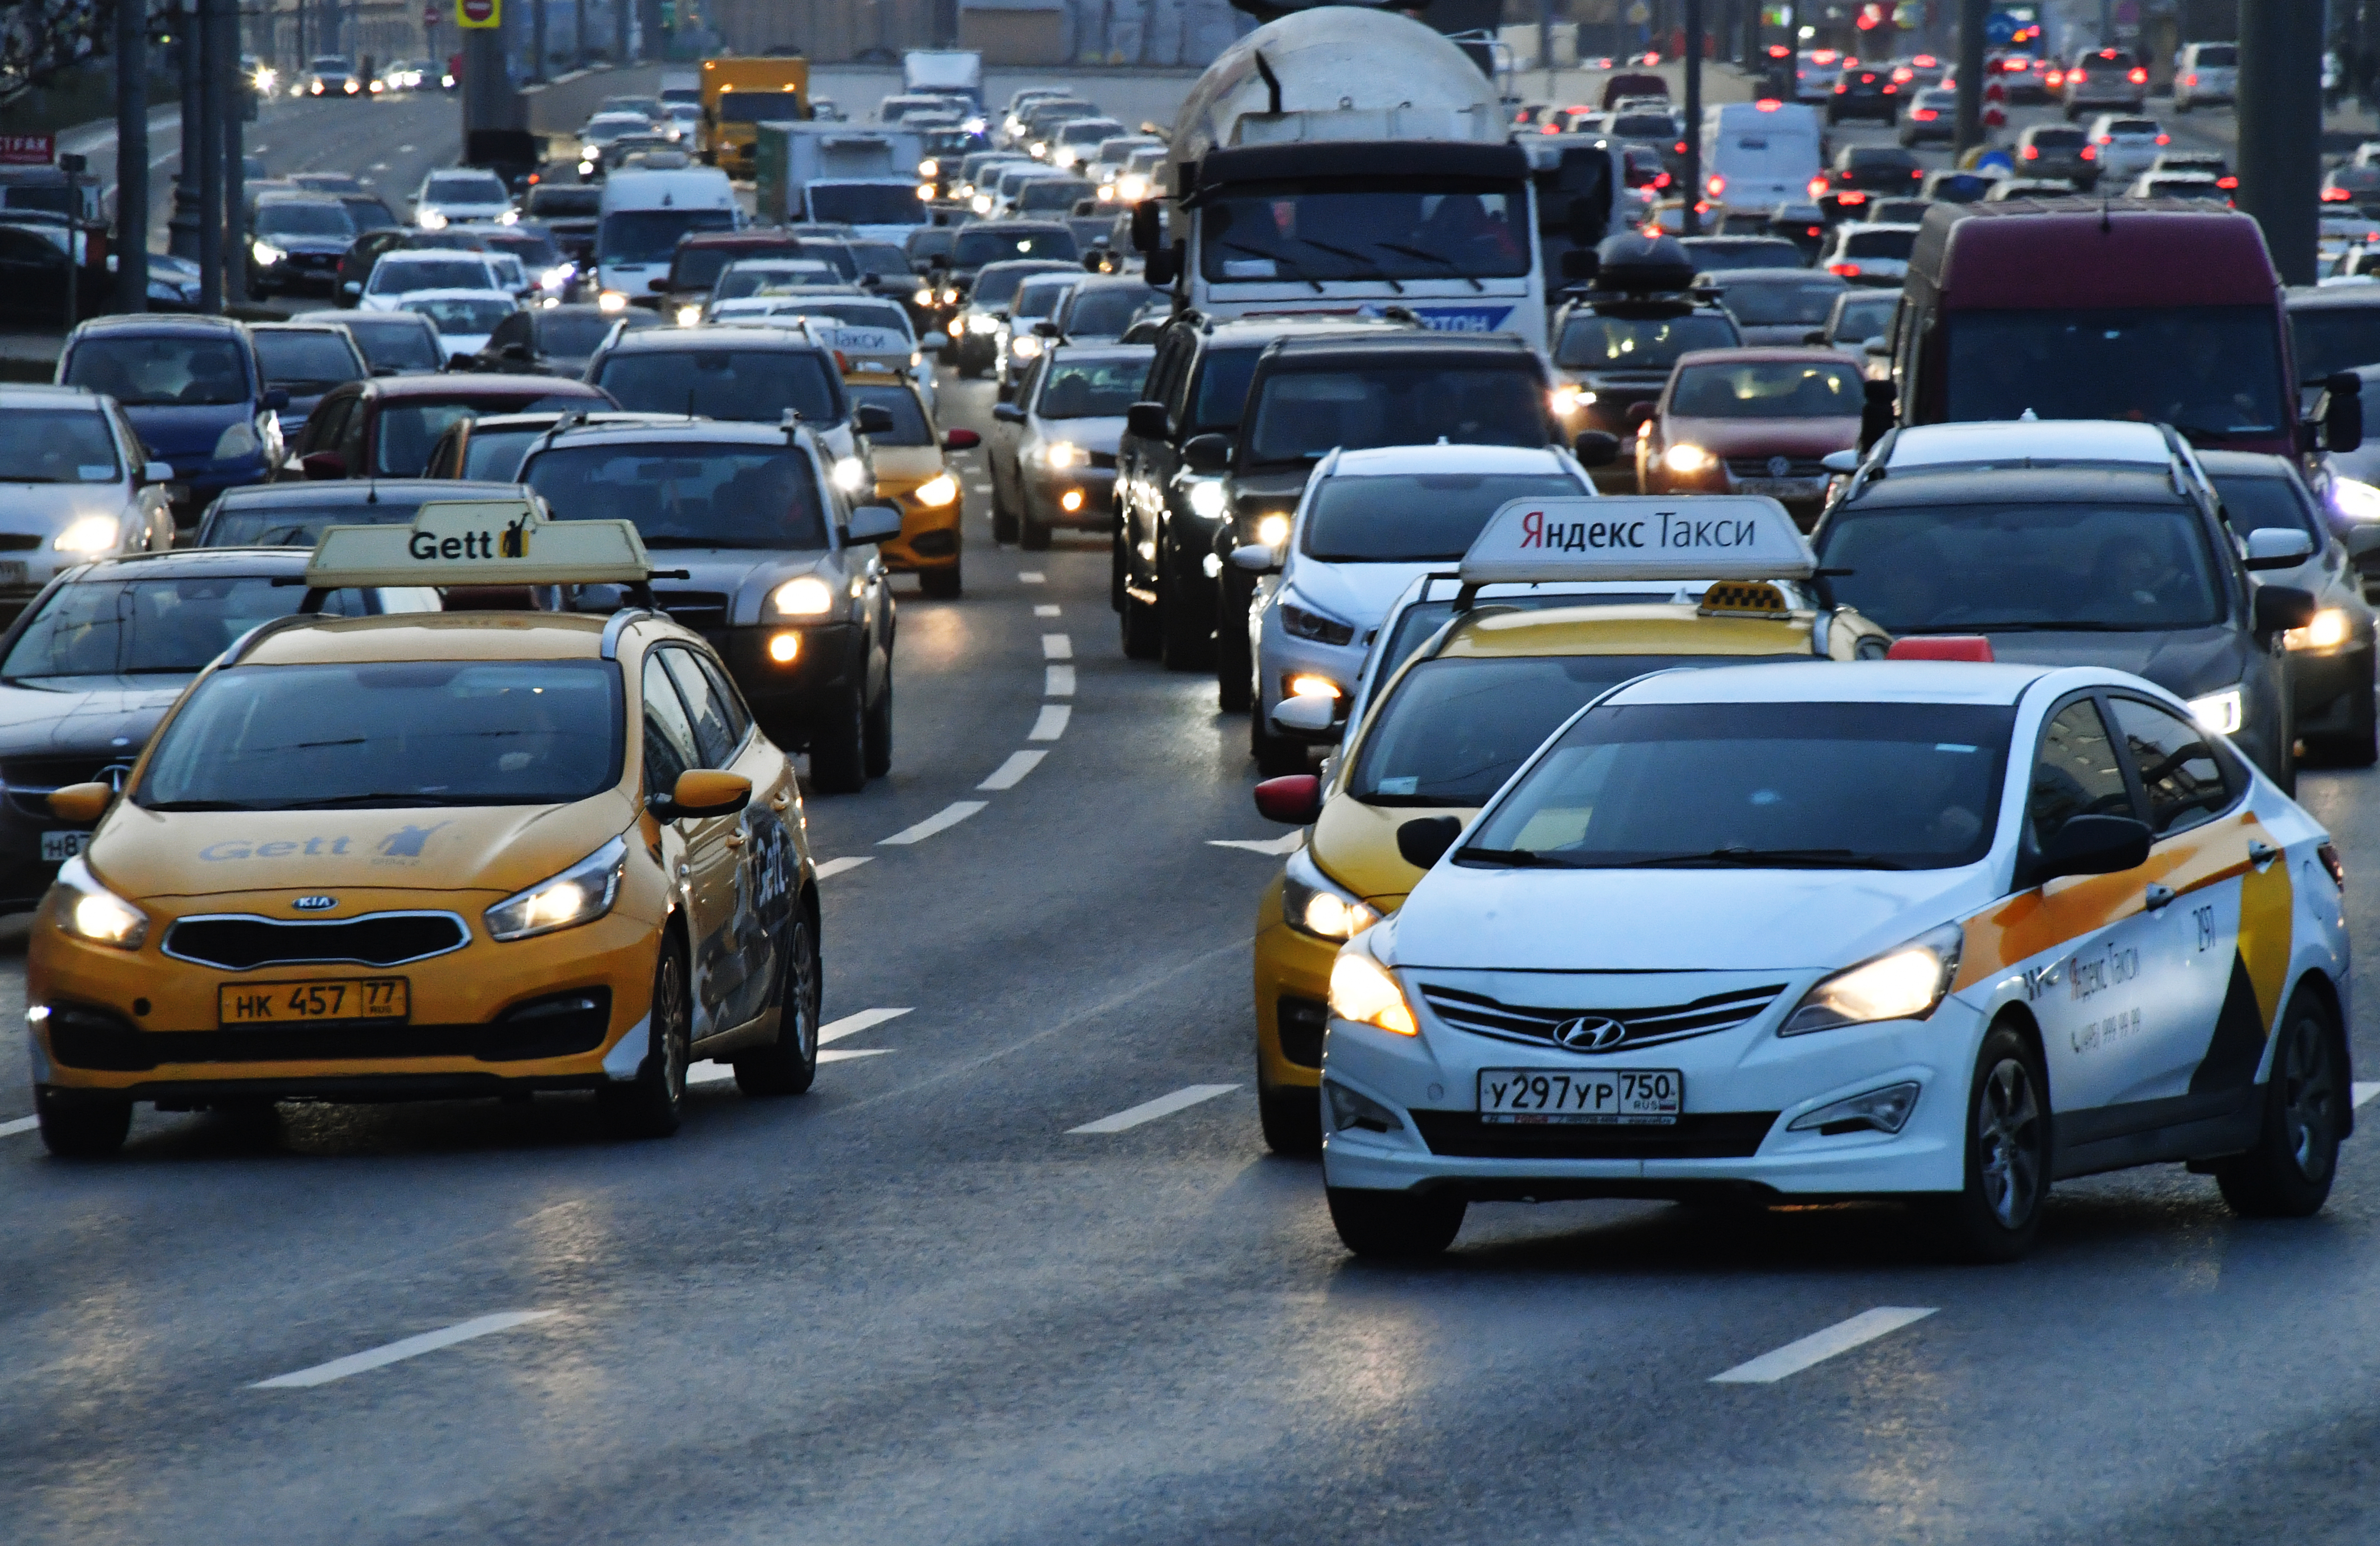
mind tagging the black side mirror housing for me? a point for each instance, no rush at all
(2088, 845)
(1207, 453)
(2340, 412)
(1877, 411)
(872, 418)
(1146, 420)
(1164, 266)
(2280, 608)
(1424, 841)
(1147, 227)
(1008, 413)
(1596, 448)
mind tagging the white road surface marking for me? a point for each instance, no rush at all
(1057, 647)
(1031, 577)
(1057, 681)
(853, 1024)
(980, 488)
(836, 866)
(2360, 1090)
(1050, 723)
(1818, 1346)
(1149, 1111)
(21, 1124)
(943, 820)
(1045, 609)
(1288, 842)
(396, 1352)
(401, 149)
(380, 166)
(1012, 773)
(850, 1053)
(711, 1071)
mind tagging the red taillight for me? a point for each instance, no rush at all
(2164, 140)
(2190, 80)
(1661, 179)
(2140, 77)
(1848, 270)
(2033, 152)
(2076, 78)
(1916, 174)
(2336, 196)
(1923, 114)
(1852, 197)
(1926, 60)
(1841, 87)
(2089, 154)
(1717, 184)
(1867, 80)
(1823, 57)
(1818, 231)
(1942, 646)
(2226, 181)
(1767, 104)
(1904, 73)
(1891, 90)
(2055, 79)
(1817, 189)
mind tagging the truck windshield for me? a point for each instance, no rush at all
(1475, 231)
(651, 236)
(867, 204)
(758, 107)
(2205, 370)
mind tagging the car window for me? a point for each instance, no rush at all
(2183, 776)
(688, 494)
(162, 372)
(909, 426)
(730, 701)
(407, 430)
(1414, 517)
(714, 731)
(2075, 773)
(668, 735)
(1767, 389)
(748, 384)
(1075, 388)
(2266, 505)
(1591, 340)
(306, 359)
(1302, 414)
(68, 445)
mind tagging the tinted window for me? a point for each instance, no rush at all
(867, 204)
(2216, 56)
(294, 219)
(2060, 139)
(113, 628)
(670, 745)
(2334, 338)
(2267, 503)
(547, 201)
(651, 236)
(908, 415)
(1864, 317)
(1595, 342)
(2179, 773)
(1039, 296)
(572, 335)
(465, 188)
(688, 495)
(144, 372)
(1091, 388)
(2205, 370)
(751, 385)
(2074, 773)
(1304, 413)
(283, 524)
(713, 733)
(408, 430)
(1767, 389)
(982, 245)
(307, 359)
(1415, 232)
(1879, 243)
(1222, 394)
(1804, 303)
(405, 346)
(57, 446)
(1105, 310)
(396, 276)
(1415, 516)
(494, 455)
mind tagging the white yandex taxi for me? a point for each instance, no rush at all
(1927, 929)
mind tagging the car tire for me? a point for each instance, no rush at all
(2289, 1172)
(1032, 535)
(75, 1128)
(942, 585)
(652, 1104)
(1003, 520)
(1996, 1214)
(876, 733)
(1291, 1118)
(1185, 636)
(1394, 1226)
(1235, 669)
(1140, 629)
(789, 1065)
(1275, 754)
(838, 750)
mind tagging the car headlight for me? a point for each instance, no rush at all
(1038, 150)
(557, 276)
(1272, 530)
(237, 439)
(2354, 499)
(958, 325)
(88, 534)
(929, 167)
(936, 492)
(1132, 189)
(2327, 631)
(950, 297)
(2222, 712)
(1024, 346)
(850, 475)
(980, 203)
(1688, 459)
(432, 220)
(1304, 622)
(1207, 499)
(803, 596)
(1362, 990)
(265, 252)
(689, 315)
(88, 910)
(1902, 984)
(611, 301)
(924, 296)
(510, 217)
(580, 894)
(1311, 904)
(1065, 454)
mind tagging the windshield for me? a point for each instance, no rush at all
(2216, 56)
(2330, 339)
(465, 190)
(1415, 517)
(982, 245)
(1767, 389)
(1983, 568)
(1777, 785)
(59, 446)
(144, 627)
(651, 236)
(878, 258)
(367, 213)
(306, 359)
(1051, 194)
(750, 384)
(529, 248)
(867, 204)
(751, 279)
(494, 455)
(1593, 342)
(1105, 310)
(1788, 303)
(283, 524)
(1879, 243)
(1865, 317)
(431, 273)
(458, 314)
(1040, 298)
(909, 427)
(546, 201)
(394, 347)
(571, 336)
(1394, 232)
(688, 495)
(152, 372)
(2252, 503)
(2206, 369)
(1302, 414)
(303, 220)
(1452, 730)
(390, 735)
(408, 430)
(1091, 388)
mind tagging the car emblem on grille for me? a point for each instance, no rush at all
(1590, 1034)
(315, 904)
(1778, 466)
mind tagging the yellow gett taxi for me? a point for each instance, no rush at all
(912, 477)
(431, 855)
(1517, 657)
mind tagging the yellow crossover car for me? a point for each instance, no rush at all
(434, 855)
(1446, 727)
(912, 477)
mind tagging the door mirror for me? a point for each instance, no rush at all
(999, 315)
(1147, 227)
(1295, 799)
(274, 401)
(2277, 547)
(1207, 453)
(1815, 336)
(1303, 713)
(1596, 448)
(2280, 608)
(1164, 266)
(2339, 411)
(1006, 412)
(1146, 420)
(872, 419)
(1045, 328)
(353, 287)
(515, 350)
(961, 439)
(1840, 463)
(2093, 845)
(872, 523)
(1254, 557)
(163, 472)
(1424, 841)
(934, 342)
(80, 803)
(322, 465)
(658, 286)
(701, 791)
(1877, 413)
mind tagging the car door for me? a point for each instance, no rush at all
(707, 867)
(739, 978)
(772, 851)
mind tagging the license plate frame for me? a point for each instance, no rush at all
(1581, 1098)
(1783, 488)
(59, 847)
(314, 1001)
(16, 571)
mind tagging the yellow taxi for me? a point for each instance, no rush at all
(1528, 640)
(433, 855)
(912, 477)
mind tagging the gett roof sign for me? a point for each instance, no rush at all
(479, 542)
(1710, 536)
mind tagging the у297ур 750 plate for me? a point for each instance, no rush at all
(1624, 1096)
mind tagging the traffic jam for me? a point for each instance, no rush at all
(1816, 676)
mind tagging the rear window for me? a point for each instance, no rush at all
(2267, 504)
(1767, 389)
(1866, 158)
(1878, 244)
(1781, 305)
(748, 384)
(1415, 517)
(2216, 56)
(2060, 139)
(1644, 126)
(2134, 126)
(1304, 413)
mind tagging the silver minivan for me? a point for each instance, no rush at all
(2204, 72)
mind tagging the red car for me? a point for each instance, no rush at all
(1750, 421)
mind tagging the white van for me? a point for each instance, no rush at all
(2204, 72)
(643, 213)
(1757, 156)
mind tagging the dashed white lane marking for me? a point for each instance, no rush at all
(1288, 842)
(380, 166)
(1818, 1346)
(22, 1124)
(1012, 773)
(850, 1053)
(1057, 647)
(836, 866)
(1149, 1111)
(1050, 723)
(943, 820)
(853, 1024)
(401, 149)
(1045, 609)
(980, 488)
(712, 1070)
(2361, 1091)
(1057, 681)
(1031, 577)
(410, 1347)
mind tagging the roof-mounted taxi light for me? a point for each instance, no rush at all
(1942, 646)
(1744, 599)
(478, 542)
(1713, 537)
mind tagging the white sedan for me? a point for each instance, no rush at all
(401, 273)
(464, 318)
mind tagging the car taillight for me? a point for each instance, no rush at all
(1852, 197)
(2139, 77)
(1841, 87)
(2055, 79)
(1891, 90)
(2076, 78)
(2090, 154)
(1923, 114)
(1717, 184)
(1848, 270)
(1817, 189)
(2033, 152)
(2336, 196)
(1660, 179)
(1904, 73)
(2226, 181)
(2164, 140)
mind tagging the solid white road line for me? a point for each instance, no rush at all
(836, 866)
(943, 820)
(21, 1124)
(1057, 681)
(1050, 723)
(2361, 1091)
(412, 1346)
(1012, 772)
(1288, 842)
(1149, 1111)
(1045, 611)
(1057, 647)
(852, 1025)
(1818, 1346)
(711, 1071)
(1030, 577)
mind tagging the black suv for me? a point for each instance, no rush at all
(1617, 336)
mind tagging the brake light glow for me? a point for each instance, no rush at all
(2190, 80)
(1924, 61)
(1891, 90)
(1848, 270)
(1822, 57)
(2336, 196)
(1682, 146)
(1904, 73)
(2033, 152)
(1767, 104)
(1850, 196)
(1817, 189)
(2089, 154)
(1717, 184)
(2226, 181)
(2056, 77)
(2139, 77)
(1923, 114)
(2164, 140)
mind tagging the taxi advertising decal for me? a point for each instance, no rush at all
(479, 542)
(1714, 537)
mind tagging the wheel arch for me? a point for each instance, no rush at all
(2316, 980)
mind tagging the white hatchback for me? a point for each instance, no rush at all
(2126, 146)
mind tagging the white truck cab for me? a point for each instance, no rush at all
(642, 215)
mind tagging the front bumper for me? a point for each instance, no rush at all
(1046, 492)
(2324, 681)
(1281, 655)
(788, 695)
(930, 536)
(1292, 992)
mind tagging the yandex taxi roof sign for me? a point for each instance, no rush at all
(479, 542)
(1710, 536)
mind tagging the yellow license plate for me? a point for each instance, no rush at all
(325, 999)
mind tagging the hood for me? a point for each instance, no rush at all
(1672, 919)
(106, 717)
(313, 245)
(41, 509)
(1280, 484)
(174, 431)
(1357, 593)
(1355, 844)
(2186, 662)
(1767, 437)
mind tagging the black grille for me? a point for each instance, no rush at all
(1697, 1135)
(1757, 466)
(1646, 1027)
(1104, 459)
(17, 542)
(243, 944)
(556, 1026)
(1300, 1022)
(934, 544)
(697, 609)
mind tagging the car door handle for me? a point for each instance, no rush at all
(2156, 897)
(2261, 853)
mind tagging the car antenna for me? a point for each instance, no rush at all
(371, 492)
(2105, 226)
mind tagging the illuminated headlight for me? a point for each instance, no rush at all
(432, 220)
(1272, 530)
(557, 276)
(446, 80)
(958, 325)
(237, 439)
(2222, 712)
(1568, 399)
(689, 315)
(1362, 990)
(2355, 500)
(936, 492)
(350, 87)
(1107, 193)
(611, 300)
(2327, 631)
(315, 88)
(378, 87)
(1688, 459)
(580, 894)
(1039, 150)
(803, 596)
(1206, 498)
(917, 359)
(1024, 346)
(510, 217)
(267, 78)
(1132, 187)
(1065, 454)
(1065, 155)
(1903, 984)
(925, 192)
(88, 910)
(587, 168)
(950, 297)
(980, 203)
(265, 252)
(924, 296)
(1310, 904)
(88, 534)
(929, 167)
(850, 475)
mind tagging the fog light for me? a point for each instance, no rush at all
(1071, 501)
(783, 647)
(1885, 1110)
(1310, 687)
(2327, 631)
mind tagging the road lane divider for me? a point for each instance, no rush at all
(943, 820)
(1031, 577)
(1057, 647)
(11, 1127)
(1057, 681)
(409, 1348)
(1050, 723)
(1818, 1346)
(827, 867)
(1288, 842)
(1149, 1111)
(711, 1070)
(1012, 773)
(1045, 609)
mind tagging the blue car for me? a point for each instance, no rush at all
(194, 391)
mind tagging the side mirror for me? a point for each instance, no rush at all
(1878, 347)
(2093, 845)
(1209, 453)
(322, 465)
(1295, 799)
(872, 419)
(163, 472)
(701, 791)
(1148, 227)
(658, 286)
(1163, 267)
(2339, 411)
(277, 398)
(1045, 328)
(2275, 548)
(1305, 714)
(1146, 420)
(1877, 411)
(872, 523)
(1642, 412)
(1424, 841)
(1255, 558)
(515, 350)
(1008, 413)
(1816, 335)
(934, 342)
(2281, 608)
(961, 439)
(999, 315)
(353, 287)
(1842, 462)
(938, 260)
(80, 803)
(1596, 448)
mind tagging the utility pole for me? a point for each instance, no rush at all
(132, 155)
(233, 97)
(1970, 132)
(621, 12)
(182, 226)
(536, 39)
(209, 168)
(1688, 221)
(2280, 124)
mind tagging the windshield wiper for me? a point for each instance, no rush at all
(404, 797)
(201, 806)
(2061, 627)
(1374, 271)
(2233, 430)
(1279, 262)
(1519, 857)
(1823, 858)
(1429, 257)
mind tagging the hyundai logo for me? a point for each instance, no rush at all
(1590, 1034)
(1778, 466)
(315, 904)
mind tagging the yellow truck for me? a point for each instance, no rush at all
(740, 94)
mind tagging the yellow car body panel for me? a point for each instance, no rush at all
(900, 472)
